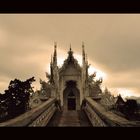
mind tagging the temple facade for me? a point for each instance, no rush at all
(70, 81)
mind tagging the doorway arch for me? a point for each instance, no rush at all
(71, 96)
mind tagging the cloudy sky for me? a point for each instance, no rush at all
(112, 42)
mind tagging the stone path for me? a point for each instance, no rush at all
(69, 119)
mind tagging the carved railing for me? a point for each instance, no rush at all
(38, 116)
(99, 116)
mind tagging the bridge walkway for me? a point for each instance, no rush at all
(69, 119)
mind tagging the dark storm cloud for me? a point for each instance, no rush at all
(111, 41)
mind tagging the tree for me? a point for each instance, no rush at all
(16, 98)
(130, 107)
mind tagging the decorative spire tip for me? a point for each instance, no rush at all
(55, 44)
(70, 46)
(83, 44)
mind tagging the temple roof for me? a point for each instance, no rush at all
(70, 60)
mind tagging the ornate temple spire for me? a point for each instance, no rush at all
(70, 55)
(87, 65)
(51, 65)
(51, 70)
(83, 53)
(86, 58)
(51, 60)
(70, 52)
(70, 47)
(55, 54)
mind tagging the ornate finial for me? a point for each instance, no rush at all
(83, 53)
(70, 46)
(55, 53)
(86, 57)
(70, 51)
(55, 45)
(51, 59)
(70, 54)
(83, 44)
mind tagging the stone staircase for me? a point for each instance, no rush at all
(70, 119)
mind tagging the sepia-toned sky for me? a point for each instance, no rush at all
(112, 42)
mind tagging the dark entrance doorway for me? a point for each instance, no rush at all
(71, 96)
(71, 104)
(71, 101)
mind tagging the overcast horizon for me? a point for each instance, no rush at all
(112, 43)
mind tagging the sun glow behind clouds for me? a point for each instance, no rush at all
(91, 70)
(99, 73)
